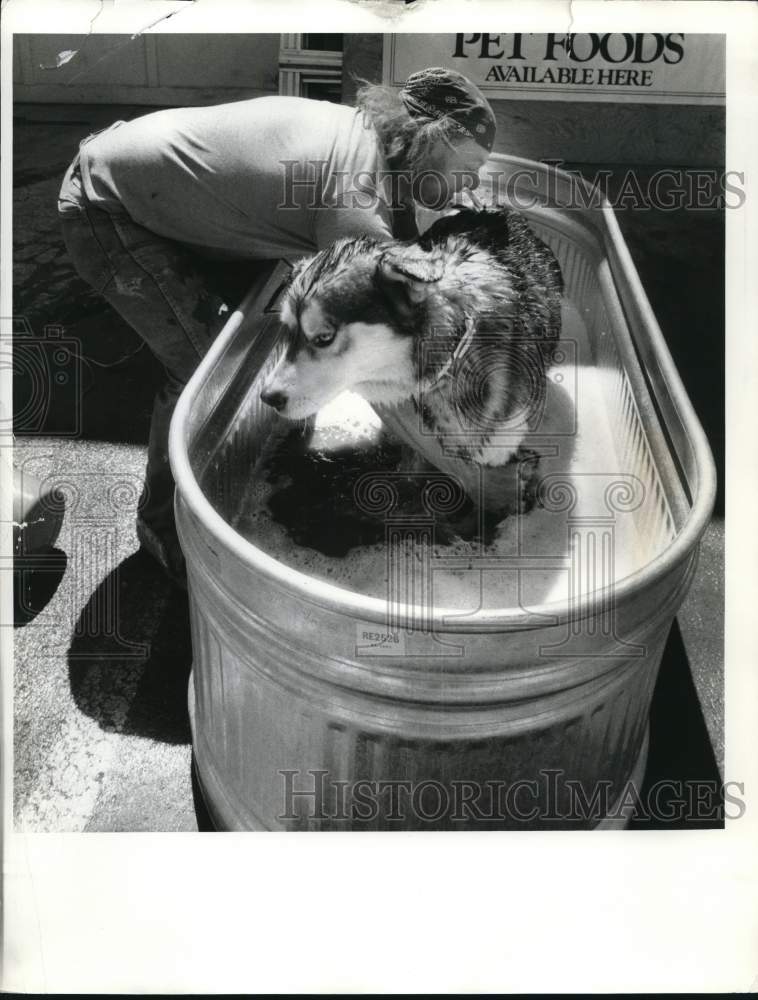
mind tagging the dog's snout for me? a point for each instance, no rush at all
(274, 398)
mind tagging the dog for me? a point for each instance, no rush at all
(455, 321)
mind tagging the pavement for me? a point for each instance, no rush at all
(102, 650)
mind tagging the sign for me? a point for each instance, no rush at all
(645, 67)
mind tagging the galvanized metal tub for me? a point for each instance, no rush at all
(507, 717)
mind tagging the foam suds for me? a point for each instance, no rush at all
(301, 507)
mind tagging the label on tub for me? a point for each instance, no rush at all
(377, 640)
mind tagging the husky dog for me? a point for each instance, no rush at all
(454, 321)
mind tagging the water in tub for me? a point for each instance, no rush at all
(581, 532)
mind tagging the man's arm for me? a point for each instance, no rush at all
(337, 222)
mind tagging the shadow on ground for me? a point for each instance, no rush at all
(681, 757)
(133, 675)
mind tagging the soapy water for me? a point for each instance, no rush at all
(342, 504)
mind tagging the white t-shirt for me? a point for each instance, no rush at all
(267, 177)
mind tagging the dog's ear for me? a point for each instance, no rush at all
(297, 269)
(409, 273)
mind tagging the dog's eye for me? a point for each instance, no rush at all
(324, 339)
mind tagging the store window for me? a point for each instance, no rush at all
(311, 66)
(322, 43)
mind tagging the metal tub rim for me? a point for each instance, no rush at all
(602, 223)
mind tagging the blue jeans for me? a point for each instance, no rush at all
(171, 296)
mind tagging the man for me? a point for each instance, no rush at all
(147, 205)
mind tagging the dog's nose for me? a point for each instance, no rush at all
(274, 398)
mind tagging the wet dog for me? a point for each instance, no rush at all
(455, 321)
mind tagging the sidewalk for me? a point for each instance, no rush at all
(102, 732)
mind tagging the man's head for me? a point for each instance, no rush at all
(446, 96)
(437, 132)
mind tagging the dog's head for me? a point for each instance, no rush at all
(351, 313)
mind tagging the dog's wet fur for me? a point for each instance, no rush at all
(456, 320)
